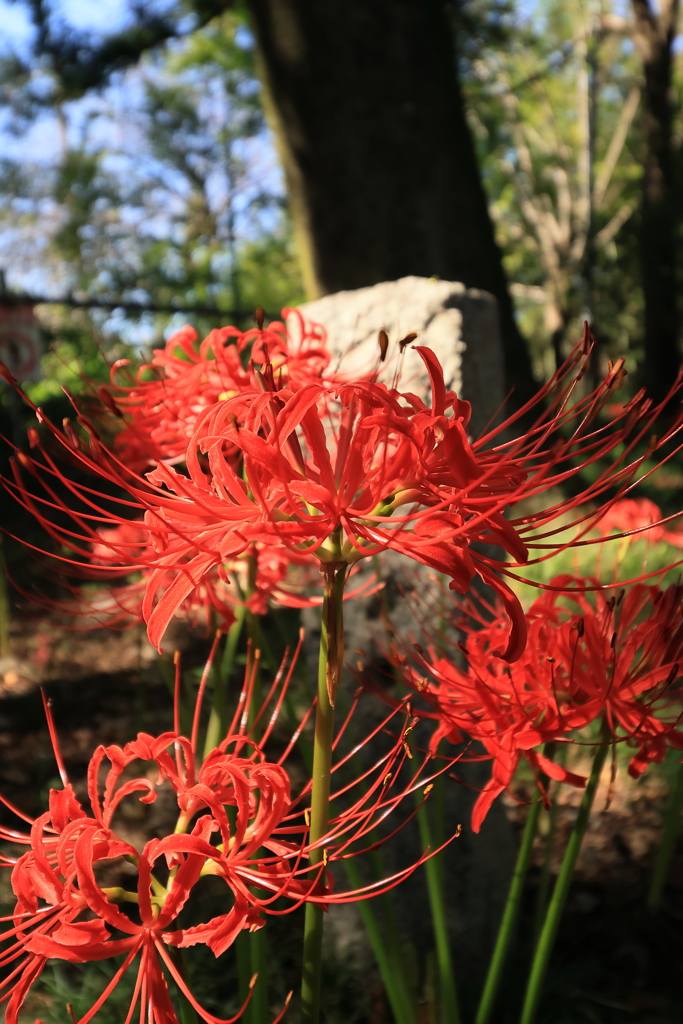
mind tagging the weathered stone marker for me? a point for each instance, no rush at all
(459, 324)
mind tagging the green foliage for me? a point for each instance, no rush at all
(78, 187)
(270, 273)
(79, 985)
(74, 356)
(549, 94)
(65, 63)
(619, 559)
(165, 192)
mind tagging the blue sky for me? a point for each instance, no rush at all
(16, 35)
(82, 14)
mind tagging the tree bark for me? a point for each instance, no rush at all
(654, 36)
(379, 160)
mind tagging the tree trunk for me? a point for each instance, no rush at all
(379, 159)
(654, 37)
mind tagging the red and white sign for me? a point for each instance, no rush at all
(20, 344)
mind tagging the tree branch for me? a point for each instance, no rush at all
(615, 224)
(79, 66)
(626, 115)
(582, 203)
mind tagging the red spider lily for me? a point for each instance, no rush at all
(161, 403)
(586, 657)
(262, 577)
(639, 517)
(237, 820)
(386, 473)
(255, 579)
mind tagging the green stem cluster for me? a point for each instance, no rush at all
(543, 893)
(218, 717)
(510, 912)
(448, 997)
(329, 669)
(512, 905)
(387, 954)
(672, 823)
(551, 924)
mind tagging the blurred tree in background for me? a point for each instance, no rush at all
(554, 113)
(138, 166)
(578, 149)
(163, 187)
(164, 190)
(380, 163)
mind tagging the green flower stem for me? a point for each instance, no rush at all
(383, 933)
(512, 904)
(252, 958)
(390, 970)
(245, 953)
(258, 639)
(228, 660)
(258, 951)
(546, 939)
(507, 924)
(258, 1011)
(546, 873)
(407, 991)
(448, 997)
(188, 1014)
(218, 718)
(244, 971)
(671, 825)
(434, 871)
(329, 669)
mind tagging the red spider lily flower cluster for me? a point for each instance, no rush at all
(255, 579)
(159, 404)
(158, 416)
(237, 820)
(334, 471)
(588, 656)
(258, 577)
(261, 577)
